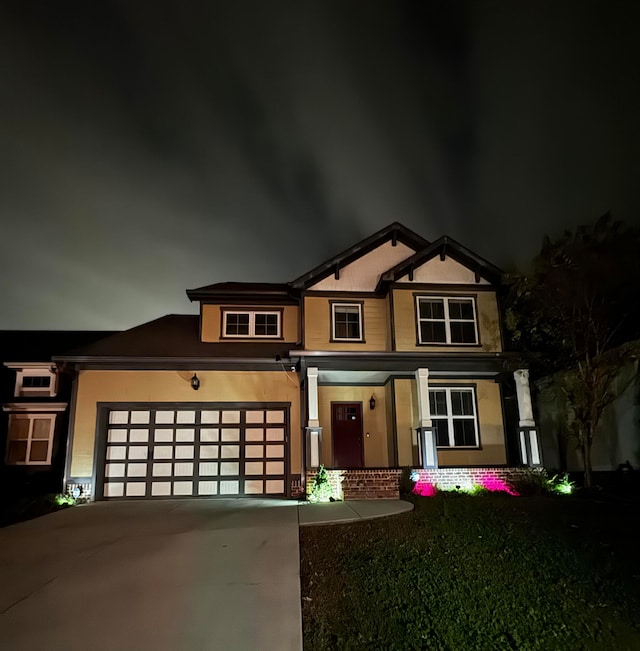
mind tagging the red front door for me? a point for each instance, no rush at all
(346, 429)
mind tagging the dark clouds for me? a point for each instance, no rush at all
(150, 147)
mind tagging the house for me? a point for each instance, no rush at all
(34, 394)
(387, 355)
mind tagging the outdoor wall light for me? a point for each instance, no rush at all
(372, 402)
(195, 382)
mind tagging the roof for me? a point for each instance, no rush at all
(394, 232)
(443, 246)
(280, 292)
(173, 337)
(42, 345)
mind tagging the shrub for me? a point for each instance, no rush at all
(321, 490)
(406, 482)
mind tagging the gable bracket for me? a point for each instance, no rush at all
(394, 238)
(336, 273)
(477, 276)
(443, 252)
(411, 272)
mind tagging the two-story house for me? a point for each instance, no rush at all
(387, 355)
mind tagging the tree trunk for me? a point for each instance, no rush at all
(586, 456)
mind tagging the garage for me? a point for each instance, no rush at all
(156, 451)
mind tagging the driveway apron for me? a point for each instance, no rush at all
(157, 575)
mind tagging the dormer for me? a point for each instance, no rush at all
(247, 312)
(34, 379)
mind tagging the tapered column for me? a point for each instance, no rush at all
(530, 452)
(313, 429)
(424, 428)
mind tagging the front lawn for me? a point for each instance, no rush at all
(489, 572)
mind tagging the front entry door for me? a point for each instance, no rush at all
(346, 429)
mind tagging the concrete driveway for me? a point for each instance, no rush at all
(165, 575)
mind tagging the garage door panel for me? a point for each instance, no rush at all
(156, 452)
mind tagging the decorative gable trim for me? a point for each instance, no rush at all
(394, 233)
(444, 247)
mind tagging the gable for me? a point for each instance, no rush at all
(363, 274)
(447, 271)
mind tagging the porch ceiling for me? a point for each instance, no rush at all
(380, 377)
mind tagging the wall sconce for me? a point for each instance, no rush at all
(372, 402)
(195, 382)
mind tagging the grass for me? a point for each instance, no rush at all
(464, 573)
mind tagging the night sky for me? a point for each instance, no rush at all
(150, 147)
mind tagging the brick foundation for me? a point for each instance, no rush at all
(383, 483)
(85, 489)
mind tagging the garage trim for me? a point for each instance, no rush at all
(103, 426)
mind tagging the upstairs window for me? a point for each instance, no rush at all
(251, 323)
(346, 322)
(446, 320)
(29, 440)
(34, 381)
(454, 418)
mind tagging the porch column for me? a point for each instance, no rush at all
(426, 435)
(530, 452)
(313, 429)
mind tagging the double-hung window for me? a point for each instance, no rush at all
(30, 438)
(346, 322)
(454, 417)
(251, 323)
(446, 320)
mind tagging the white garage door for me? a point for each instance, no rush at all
(156, 452)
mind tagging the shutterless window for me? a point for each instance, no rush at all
(446, 320)
(30, 438)
(347, 321)
(252, 324)
(454, 418)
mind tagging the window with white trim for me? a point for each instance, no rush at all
(34, 381)
(30, 439)
(446, 320)
(346, 321)
(251, 323)
(454, 417)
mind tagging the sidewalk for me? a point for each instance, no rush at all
(351, 511)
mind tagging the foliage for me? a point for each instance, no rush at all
(64, 499)
(406, 482)
(577, 311)
(321, 490)
(469, 574)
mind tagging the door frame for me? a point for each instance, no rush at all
(347, 402)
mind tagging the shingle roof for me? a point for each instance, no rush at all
(175, 336)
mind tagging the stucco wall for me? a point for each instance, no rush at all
(374, 422)
(174, 386)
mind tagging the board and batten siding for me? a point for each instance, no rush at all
(405, 321)
(211, 316)
(317, 324)
(175, 387)
(490, 422)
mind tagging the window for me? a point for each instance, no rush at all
(34, 380)
(30, 438)
(251, 324)
(453, 413)
(346, 321)
(446, 320)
